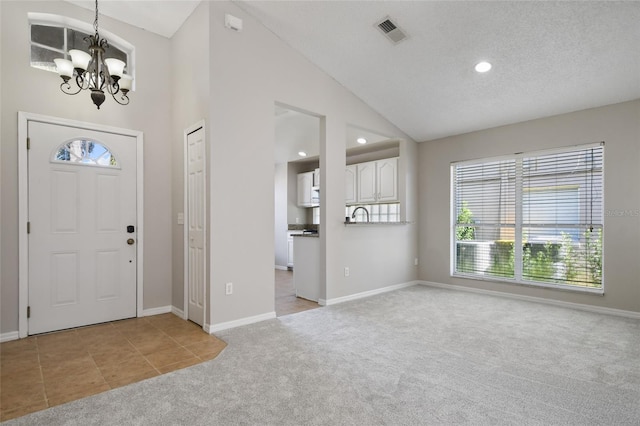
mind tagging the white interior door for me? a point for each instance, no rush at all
(82, 198)
(196, 209)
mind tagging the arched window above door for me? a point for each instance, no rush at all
(85, 152)
(52, 36)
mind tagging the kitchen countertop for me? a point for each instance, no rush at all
(306, 235)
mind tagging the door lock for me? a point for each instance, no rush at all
(130, 241)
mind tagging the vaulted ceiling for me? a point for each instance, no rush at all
(548, 57)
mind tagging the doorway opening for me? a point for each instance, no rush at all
(297, 209)
(195, 224)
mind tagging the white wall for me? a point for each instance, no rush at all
(617, 125)
(36, 91)
(250, 70)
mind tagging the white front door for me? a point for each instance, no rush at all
(82, 227)
(196, 209)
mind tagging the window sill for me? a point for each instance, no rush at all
(560, 287)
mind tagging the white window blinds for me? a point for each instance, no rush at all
(533, 218)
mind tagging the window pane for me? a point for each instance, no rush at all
(75, 40)
(43, 58)
(81, 151)
(49, 36)
(561, 215)
(114, 52)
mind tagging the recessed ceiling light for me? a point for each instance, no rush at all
(361, 141)
(483, 66)
(302, 153)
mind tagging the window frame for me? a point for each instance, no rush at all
(52, 20)
(518, 229)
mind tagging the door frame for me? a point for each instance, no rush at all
(185, 229)
(23, 206)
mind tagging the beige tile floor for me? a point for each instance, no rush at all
(50, 369)
(286, 300)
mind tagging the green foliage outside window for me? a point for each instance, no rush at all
(465, 216)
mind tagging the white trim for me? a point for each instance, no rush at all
(8, 336)
(212, 328)
(185, 226)
(23, 207)
(178, 312)
(157, 311)
(281, 268)
(571, 305)
(364, 294)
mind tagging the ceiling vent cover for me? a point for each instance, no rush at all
(391, 30)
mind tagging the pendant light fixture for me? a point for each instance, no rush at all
(93, 72)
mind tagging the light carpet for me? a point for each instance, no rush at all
(418, 355)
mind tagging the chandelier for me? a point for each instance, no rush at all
(92, 71)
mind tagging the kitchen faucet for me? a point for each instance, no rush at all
(353, 216)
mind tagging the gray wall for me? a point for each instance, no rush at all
(250, 70)
(618, 125)
(190, 104)
(36, 91)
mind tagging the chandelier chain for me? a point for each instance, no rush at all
(95, 23)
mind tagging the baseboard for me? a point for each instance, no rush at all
(177, 312)
(212, 328)
(327, 302)
(281, 268)
(156, 311)
(579, 306)
(11, 335)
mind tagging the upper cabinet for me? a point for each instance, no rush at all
(351, 189)
(375, 182)
(308, 193)
(387, 180)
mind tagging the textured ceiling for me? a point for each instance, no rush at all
(548, 57)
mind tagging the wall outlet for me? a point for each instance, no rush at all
(180, 218)
(297, 220)
(346, 271)
(415, 261)
(228, 289)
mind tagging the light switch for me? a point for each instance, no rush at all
(180, 218)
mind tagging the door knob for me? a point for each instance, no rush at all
(130, 241)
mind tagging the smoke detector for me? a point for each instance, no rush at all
(391, 30)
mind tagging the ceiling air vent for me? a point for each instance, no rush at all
(391, 30)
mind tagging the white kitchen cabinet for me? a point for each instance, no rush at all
(305, 184)
(377, 181)
(387, 180)
(350, 187)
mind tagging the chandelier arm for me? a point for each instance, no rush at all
(123, 97)
(113, 88)
(66, 88)
(81, 81)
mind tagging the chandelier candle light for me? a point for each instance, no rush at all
(93, 72)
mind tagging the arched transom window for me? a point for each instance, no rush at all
(85, 152)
